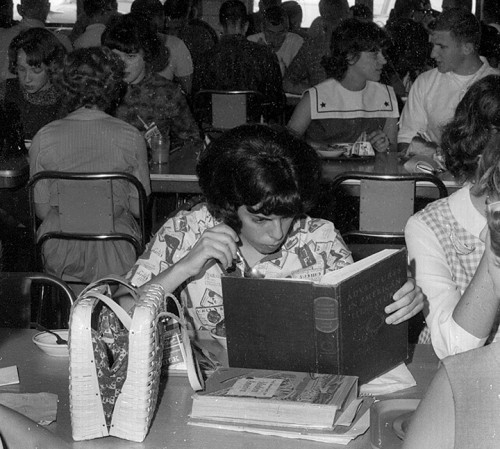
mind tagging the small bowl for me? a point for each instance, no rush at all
(47, 343)
(221, 340)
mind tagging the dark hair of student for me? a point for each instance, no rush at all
(130, 34)
(349, 39)
(91, 77)
(466, 136)
(276, 15)
(233, 11)
(461, 24)
(264, 168)
(40, 46)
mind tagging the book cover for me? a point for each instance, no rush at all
(337, 434)
(282, 398)
(336, 326)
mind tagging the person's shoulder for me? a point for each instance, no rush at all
(428, 75)
(173, 42)
(198, 217)
(294, 38)
(156, 81)
(313, 225)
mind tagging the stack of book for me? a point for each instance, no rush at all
(321, 407)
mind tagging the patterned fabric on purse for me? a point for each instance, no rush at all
(115, 367)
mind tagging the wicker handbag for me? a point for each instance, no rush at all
(134, 345)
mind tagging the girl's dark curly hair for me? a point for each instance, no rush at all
(349, 39)
(132, 33)
(264, 168)
(41, 47)
(91, 77)
(465, 137)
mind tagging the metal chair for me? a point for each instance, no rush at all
(24, 299)
(85, 204)
(219, 110)
(386, 202)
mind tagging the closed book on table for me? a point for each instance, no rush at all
(335, 326)
(274, 397)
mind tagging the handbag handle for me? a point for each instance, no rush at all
(93, 291)
(193, 369)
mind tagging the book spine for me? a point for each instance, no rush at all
(326, 329)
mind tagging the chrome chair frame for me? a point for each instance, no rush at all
(138, 245)
(383, 238)
(16, 298)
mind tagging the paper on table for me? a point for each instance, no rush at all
(9, 375)
(397, 379)
(39, 407)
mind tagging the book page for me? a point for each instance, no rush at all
(335, 277)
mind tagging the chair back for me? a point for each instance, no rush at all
(219, 110)
(86, 208)
(22, 304)
(386, 202)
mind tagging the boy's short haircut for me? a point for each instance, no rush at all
(462, 25)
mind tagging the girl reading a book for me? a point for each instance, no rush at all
(259, 183)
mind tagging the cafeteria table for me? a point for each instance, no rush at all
(180, 175)
(39, 372)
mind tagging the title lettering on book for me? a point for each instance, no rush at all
(257, 387)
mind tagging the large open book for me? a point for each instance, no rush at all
(335, 326)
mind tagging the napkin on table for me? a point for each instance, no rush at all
(398, 378)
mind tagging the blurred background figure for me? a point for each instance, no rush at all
(362, 13)
(491, 14)
(97, 14)
(275, 35)
(256, 19)
(34, 14)
(184, 20)
(152, 103)
(305, 70)
(35, 57)
(418, 10)
(295, 15)
(464, 4)
(6, 14)
(236, 63)
(408, 56)
(180, 65)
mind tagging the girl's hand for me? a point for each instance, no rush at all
(379, 140)
(218, 243)
(408, 301)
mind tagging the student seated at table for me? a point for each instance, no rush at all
(259, 183)
(89, 140)
(351, 102)
(461, 408)
(151, 102)
(443, 240)
(35, 55)
(276, 36)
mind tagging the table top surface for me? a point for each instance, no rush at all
(182, 167)
(39, 372)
